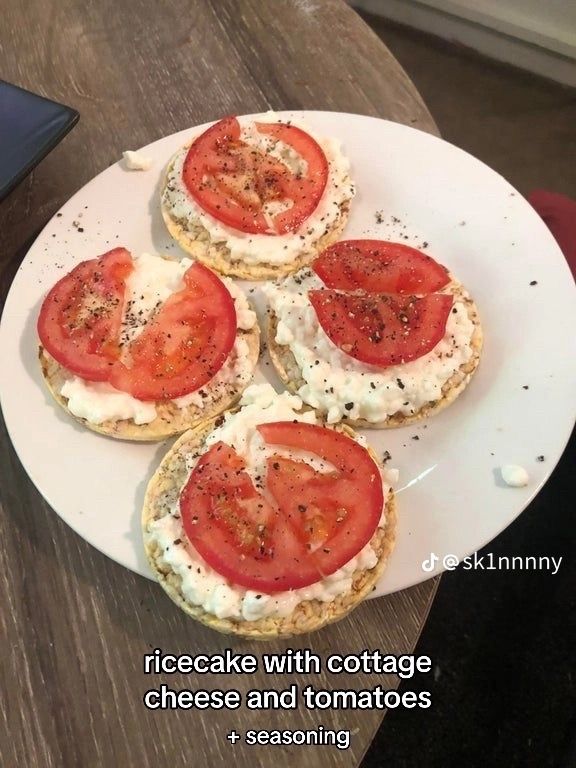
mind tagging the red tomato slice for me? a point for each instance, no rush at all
(304, 191)
(80, 319)
(318, 523)
(233, 181)
(382, 330)
(184, 345)
(377, 266)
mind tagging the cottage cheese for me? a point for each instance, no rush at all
(136, 161)
(203, 586)
(514, 475)
(337, 384)
(262, 248)
(151, 282)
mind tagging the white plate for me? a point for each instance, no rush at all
(450, 497)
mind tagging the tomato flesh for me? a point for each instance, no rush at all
(380, 306)
(80, 318)
(184, 345)
(307, 526)
(234, 181)
(180, 349)
(305, 191)
(378, 266)
(382, 330)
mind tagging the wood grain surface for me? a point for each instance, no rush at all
(74, 625)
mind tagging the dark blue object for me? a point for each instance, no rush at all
(30, 127)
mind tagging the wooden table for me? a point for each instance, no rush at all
(74, 625)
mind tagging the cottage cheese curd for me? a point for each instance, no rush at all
(136, 161)
(150, 283)
(260, 248)
(337, 384)
(514, 475)
(203, 586)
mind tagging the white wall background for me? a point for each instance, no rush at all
(538, 35)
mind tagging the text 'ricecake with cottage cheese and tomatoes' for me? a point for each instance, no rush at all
(266, 523)
(257, 197)
(141, 348)
(375, 333)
